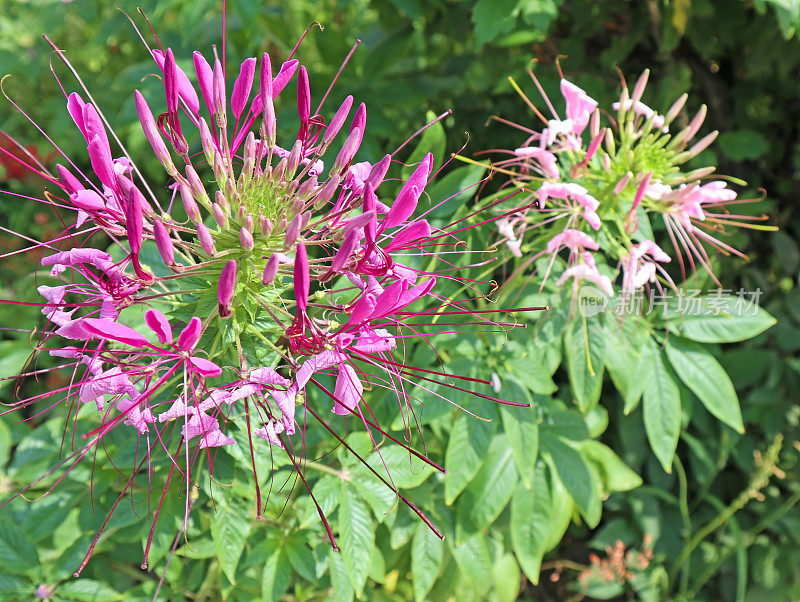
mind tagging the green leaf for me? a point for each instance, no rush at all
(743, 144)
(580, 479)
(662, 408)
(614, 472)
(340, 579)
(407, 471)
(474, 560)
(17, 553)
(230, 526)
(276, 576)
(624, 358)
(531, 513)
(427, 554)
(522, 432)
(699, 371)
(357, 537)
(721, 319)
(301, 557)
(87, 590)
(492, 18)
(563, 507)
(533, 373)
(14, 585)
(13, 357)
(466, 451)
(506, 577)
(489, 492)
(583, 346)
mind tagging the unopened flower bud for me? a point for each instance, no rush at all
(198, 190)
(292, 232)
(623, 183)
(205, 239)
(189, 204)
(152, 134)
(270, 270)
(307, 187)
(338, 120)
(248, 222)
(294, 159)
(226, 288)
(222, 201)
(207, 141)
(675, 109)
(348, 150)
(696, 122)
(219, 215)
(246, 239)
(304, 219)
(327, 191)
(163, 242)
(641, 84)
(266, 225)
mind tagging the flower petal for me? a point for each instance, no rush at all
(107, 329)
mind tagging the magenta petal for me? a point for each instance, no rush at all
(75, 106)
(268, 376)
(303, 95)
(134, 220)
(190, 335)
(226, 286)
(93, 125)
(409, 194)
(415, 292)
(204, 367)
(360, 121)
(302, 277)
(71, 184)
(171, 81)
(345, 250)
(389, 299)
(242, 87)
(102, 164)
(417, 230)
(158, 323)
(378, 172)
(186, 90)
(205, 79)
(284, 76)
(88, 200)
(348, 391)
(107, 329)
(338, 119)
(163, 242)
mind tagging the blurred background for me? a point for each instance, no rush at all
(740, 57)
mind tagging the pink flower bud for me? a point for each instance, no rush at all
(378, 172)
(303, 96)
(163, 242)
(266, 225)
(198, 190)
(205, 239)
(170, 82)
(248, 222)
(189, 204)
(327, 191)
(219, 92)
(641, 84)
(360, 121)
(133, 221)
(151, 132)
(307, 186)
(294, 159)
(676, 107)
(338, 120)
(349, 149)
(222, 201)
(345, 250)
(207, 141)
(246, 239)
(226, 288)
(284, 76)
(696, 122)
(302, 277)
(219, 215)
(242, 87)
(70, 183)
(270, 270)
(292, 232)
(623, 183)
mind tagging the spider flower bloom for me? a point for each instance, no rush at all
(586, 187)
(284, 263)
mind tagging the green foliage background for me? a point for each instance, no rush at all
(503, 511)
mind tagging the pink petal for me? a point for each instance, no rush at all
(106, 329)
(158, 323)
(268, 376)
(190, 334)
(242, 87)
(348, 391)
(204, 367)
(302, 277)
